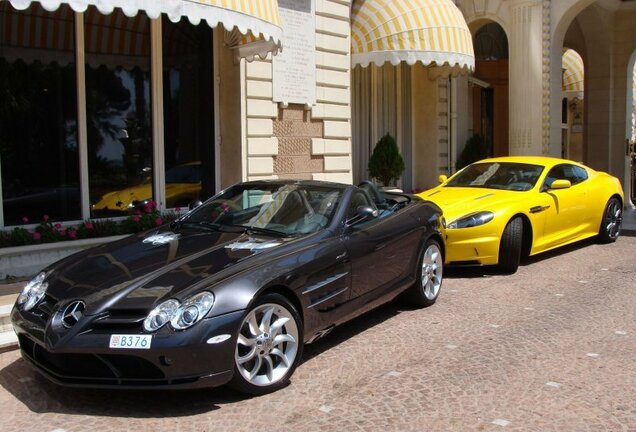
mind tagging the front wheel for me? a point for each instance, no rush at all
(430, 272)
(268, 347)
(612, 220)
(510, 246)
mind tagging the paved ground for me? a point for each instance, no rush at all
(552, 347)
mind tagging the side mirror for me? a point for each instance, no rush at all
(560, 184)
(363, 213)
(194, 204)
(442, 178)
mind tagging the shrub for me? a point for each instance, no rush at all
(386, 163)
(474, 150)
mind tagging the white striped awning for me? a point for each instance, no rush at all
(432, 32)
(259, 18)
(573, 72)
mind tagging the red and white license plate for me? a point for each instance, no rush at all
(130, 341)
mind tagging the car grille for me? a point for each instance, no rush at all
(119, 320)
(94, 369)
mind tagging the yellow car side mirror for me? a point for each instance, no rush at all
(442, 178)
(561, 184)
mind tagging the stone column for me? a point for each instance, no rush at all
(526, 77)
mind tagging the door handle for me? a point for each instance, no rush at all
(341, 256)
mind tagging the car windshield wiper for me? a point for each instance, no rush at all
(259, 230)
(202, 225)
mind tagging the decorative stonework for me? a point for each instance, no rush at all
(295, 129)
(547, 6)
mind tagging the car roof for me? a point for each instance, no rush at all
(534, 160)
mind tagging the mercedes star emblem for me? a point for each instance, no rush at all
(72, 313)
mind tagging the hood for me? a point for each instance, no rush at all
(456, 202)
(136, 272)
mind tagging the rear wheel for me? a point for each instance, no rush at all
(612, 220)
(510, 246)
(268, 347)
(430, 272)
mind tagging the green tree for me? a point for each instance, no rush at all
(386, 163)
(474, 150)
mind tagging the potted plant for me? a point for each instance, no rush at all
(386, 163)
(475, 149)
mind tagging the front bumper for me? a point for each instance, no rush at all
(472, 246)
(175, 360)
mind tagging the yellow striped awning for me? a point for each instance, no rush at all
(259, 18)
(432, 32)
(573, 71)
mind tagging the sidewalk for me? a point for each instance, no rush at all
(629, 221)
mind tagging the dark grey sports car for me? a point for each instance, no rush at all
(231, 291)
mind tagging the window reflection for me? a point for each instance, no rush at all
(38, 111)
(118, 111)
(188, 112)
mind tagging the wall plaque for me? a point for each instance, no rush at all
(294, 69)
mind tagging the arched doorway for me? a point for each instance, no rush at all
(489, 86)
(572, 107)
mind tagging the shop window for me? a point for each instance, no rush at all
(118, 109)
(38, 115)
(188, 98)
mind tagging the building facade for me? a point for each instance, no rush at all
(103, 109)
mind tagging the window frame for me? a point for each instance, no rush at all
(157, 115)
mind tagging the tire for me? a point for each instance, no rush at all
(430, 273)
(269, 350)
(611, 221)
(510, 246)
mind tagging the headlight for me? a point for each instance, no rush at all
(160, 315)
(192, 310)
(472, 220)
(33, 292)
(180, 316)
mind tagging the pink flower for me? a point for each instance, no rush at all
(88, 225)
(136, 212)
(57, 226)
(36, 236)
(62, 233)
(25, 220)
(178, 210)
(136, 218)
(158, 221)
(45, 218)
(72, 233)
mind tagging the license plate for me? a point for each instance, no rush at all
(130, 341)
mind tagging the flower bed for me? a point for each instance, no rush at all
(52, 232)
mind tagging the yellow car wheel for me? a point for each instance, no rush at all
(611, 222)
(510, 246)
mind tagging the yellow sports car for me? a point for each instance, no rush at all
(183, 185)
(499, 210)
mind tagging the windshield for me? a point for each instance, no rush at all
(273, 209)
(498, 175)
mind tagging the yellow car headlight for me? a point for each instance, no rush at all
(472, 220)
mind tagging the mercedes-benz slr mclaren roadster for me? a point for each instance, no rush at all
(230, 292)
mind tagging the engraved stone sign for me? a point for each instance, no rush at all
(294, 69)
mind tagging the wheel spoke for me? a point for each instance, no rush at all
(257, 367)
(253, 325)
(269, 367)
(266, 320)
(278, 325)
(283, 338)
(247, 357)
(278, 353)
(245, 341)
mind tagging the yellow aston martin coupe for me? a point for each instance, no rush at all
(499, 210)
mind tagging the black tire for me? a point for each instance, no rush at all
(430, 272)
(281, 307)
(611, 221)
(510, 246)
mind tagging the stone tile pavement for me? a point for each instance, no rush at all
(550, 348)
